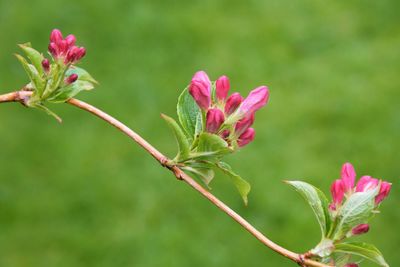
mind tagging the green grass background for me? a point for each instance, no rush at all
(82, 194)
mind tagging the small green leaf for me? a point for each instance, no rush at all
(212, 145)
(83, 75)
(70, 91)
(189, 114)
(203, 170)
(181, 138)
(318, 202)
(242, 185)
(34, 56)
(33, 74)
(48, 111)
(356, 210)
(364, 250)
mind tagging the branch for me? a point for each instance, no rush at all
(301, 259)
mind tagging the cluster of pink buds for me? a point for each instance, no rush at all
(65, 49)
(345, 186)
(230, 117)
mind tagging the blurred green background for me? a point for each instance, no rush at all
(82, 194)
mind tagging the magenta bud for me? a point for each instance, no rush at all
(46, 65)
(53, 49)
(70, 39)
(225, 134)
(366, 183)
(233, 103)
(200, 89)
(337, 191)
(214, 120)
(255, 100)
(71, 78)
(222, 87)
(383, 192)
(246, 137)
(80, 53)
(351, 265)
(244, 124)
(360, 229)
(348, 177)
(56, 36)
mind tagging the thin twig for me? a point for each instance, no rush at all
(21, 96)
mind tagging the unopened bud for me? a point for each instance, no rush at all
(246, 137)
(46, 65)
(244, 124)
(214, 119)
(222, 87)
(233, 103)
(360, 229)
(71, 78)
(70, 39)
(254, 101)
(56, 36)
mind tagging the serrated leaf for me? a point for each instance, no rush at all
(34, 56)
(183, 143)
(70, 91)
(242, 185)
(356, 209)
(317, 201)
(83, 75)
(211, 147)
(189, 114)
(364, 250)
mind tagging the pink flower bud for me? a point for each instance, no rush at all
(383, 192)
(200, 89)
(225, 134)
(360, 229)
(337, 191)
(56, 36)
(244, 124)
(80, 53)
(62, 47)
(233, 103)
(70, 39)
(214, 120)
(366, 183)
(222, 87)
(255, 100)
(351, 265)
(71, 78)
(53, 49)
(348, 177)
(46, 65)
(246, 137)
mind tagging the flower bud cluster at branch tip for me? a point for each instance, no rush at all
(65, 49)
(344, 187)
(230, 117)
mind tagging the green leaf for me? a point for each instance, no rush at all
(34, 56)
(83, 75)
(210, 147)
(189, 114)
(181, 138)
(32, 74)
(318, 202)
(242, 185)
(356, 209)
(364, 250)
(48, 111)
(203, 170)
(70, 91)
